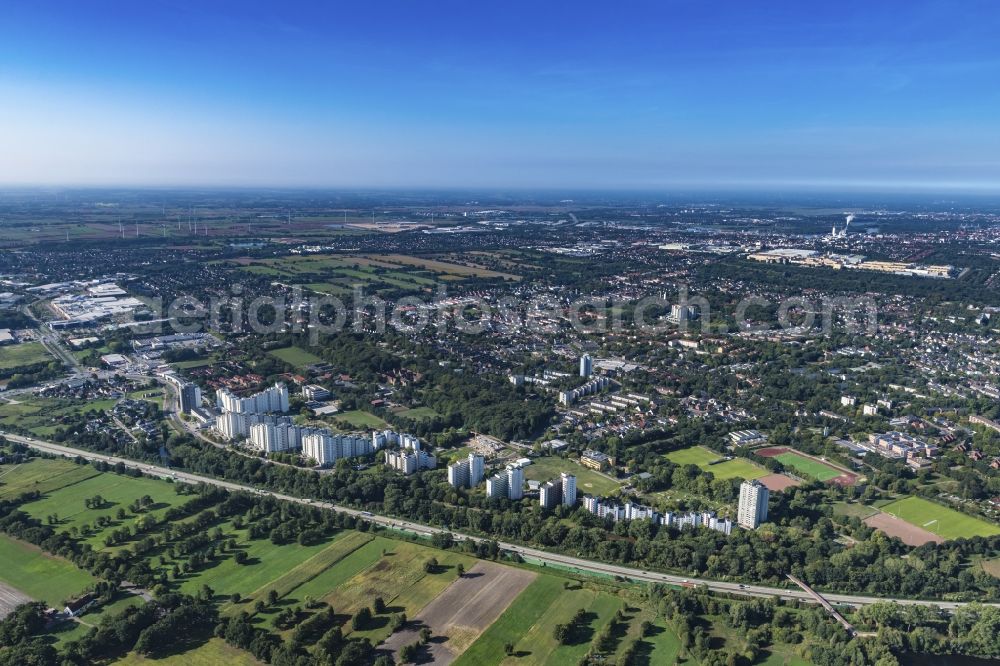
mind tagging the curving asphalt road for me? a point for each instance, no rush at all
(525, 552)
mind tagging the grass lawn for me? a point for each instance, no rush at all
(704, 458)
(346, 568)
(295, 356)
(445, 267)
(813, 468)
(358, 418)
(418, 413)
(529, 621)
(40, 575)
(266, 562)
(587, 480)
(214, 652)
(193, 363)
(42, 475)
(783, 656)
(542, 645)
(328, 288)
(939, 519)
(860, 511)
(24, 354)
(662, 645)
(343, 545)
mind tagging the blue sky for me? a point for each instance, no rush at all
(633, 95)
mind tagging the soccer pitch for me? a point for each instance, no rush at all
(938, 519)
(808, 466)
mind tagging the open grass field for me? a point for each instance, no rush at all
(418, 413)
(859, 511)
(938, 519)
(340, 274)
(266, 562)
(328, 288)
(342, 546)
(23, 354)
(358, 418)
(42, 415)
(443, 267)
(295, 356)
(529, 622)
(906, 532)
(705, 459)
(117, 491)
(193, 363)
(523, 613)
(44, 476)
(587, 480)
(660, 647)
(214, 652)
(38, 575)
(809, 466)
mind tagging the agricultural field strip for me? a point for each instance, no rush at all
(469, 605)
(20, 479)
(314, 566)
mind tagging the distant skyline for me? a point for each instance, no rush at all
(893, 95)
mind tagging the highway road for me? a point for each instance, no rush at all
(525, 552)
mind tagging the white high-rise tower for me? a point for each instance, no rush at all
(753, 504)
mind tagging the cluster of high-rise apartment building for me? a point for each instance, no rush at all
(271, 400)
(467, 473)
(752, 511)
(631, 511)
(593, 386)
(508, 483)
(258, 418)
(558, 491)
(410, 461)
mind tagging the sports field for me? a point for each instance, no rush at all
(938, 519)
(358, 418)
(737, 468)
(295, 356)
(808, 465)
(587, 480)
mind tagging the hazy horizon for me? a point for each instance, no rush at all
(899, 96)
